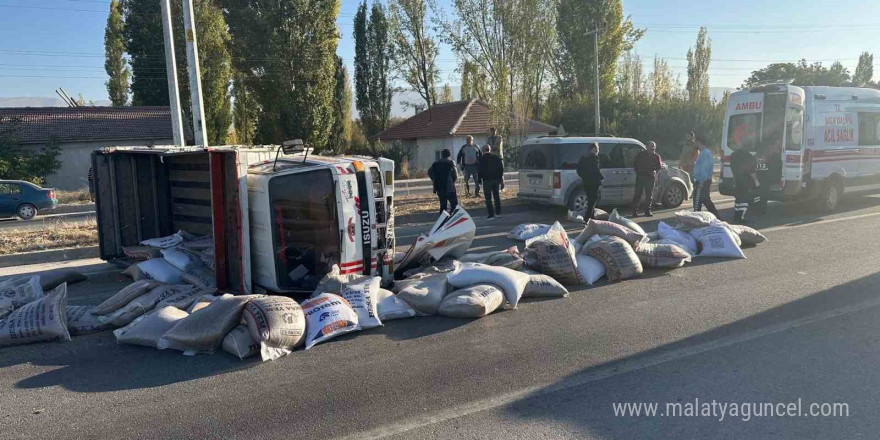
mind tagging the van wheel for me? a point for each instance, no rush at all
(674, 195)
(831, 195)
(578, 200)
(26, 211)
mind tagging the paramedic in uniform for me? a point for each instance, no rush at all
(742, 164)
(443, 176)
(591, 177)
(769, 174)
(468, 159)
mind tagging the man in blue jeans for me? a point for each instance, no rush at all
(704, 167)
(492, 172)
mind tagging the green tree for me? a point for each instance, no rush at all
(801, 74)
(575, 58)
(864, 70)
(244, 111)
(286, 51)
(415, 47)
(661, 82)
(145, 47)
(340, 133)
(630, 76)
(698, 67)
(381, 54)
(25, 163)
(445, 95)
(114, 63)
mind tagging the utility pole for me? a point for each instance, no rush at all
(171, 74)
(195, 77)
(595, 33)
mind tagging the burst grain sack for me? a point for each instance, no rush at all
(472, 302)
(147, 329)
(43, 320)
(277, 323)
(328, 316)
(203, 331)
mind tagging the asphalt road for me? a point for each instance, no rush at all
(797, 319)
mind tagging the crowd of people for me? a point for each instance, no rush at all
(485, 168)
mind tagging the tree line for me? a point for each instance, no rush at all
(530, 58)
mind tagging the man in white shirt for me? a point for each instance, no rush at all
(468, 159)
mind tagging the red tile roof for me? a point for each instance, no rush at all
(455, 118)
(33, 125)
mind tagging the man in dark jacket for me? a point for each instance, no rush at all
(591, 177)
(492, 172)
(443, 176)
(646, 166)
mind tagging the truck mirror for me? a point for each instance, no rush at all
(293, 146)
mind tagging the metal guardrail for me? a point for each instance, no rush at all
(410, 186)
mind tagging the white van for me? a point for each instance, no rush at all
(830, 138)
(278, 223)
(548, 173)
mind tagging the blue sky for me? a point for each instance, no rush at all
(45, 44)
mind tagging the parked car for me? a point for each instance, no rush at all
(24, 199)
(548, 173)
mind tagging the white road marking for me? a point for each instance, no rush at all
(821, 222)
(602, 373)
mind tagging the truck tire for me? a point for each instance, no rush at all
(673, 196)
(831, 195)
(26, 211)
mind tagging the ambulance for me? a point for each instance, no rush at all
(280, 218)
(827, 138)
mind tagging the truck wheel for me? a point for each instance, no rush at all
(831, 195)
(578, 200)
(27, 211)
(674, 195)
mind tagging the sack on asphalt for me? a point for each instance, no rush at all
(684, 239)
(590, 269)
(183, 296)
(334, 282)
(17, 292)
(363, 298)
(717, 241)
(55, 278)
(328, 316)
(43, 320)
(620, 261)
(141, 253)
(200, 276)
(423, 292)
(526, 231)
(239, 343)
(600, 214)
(182, 259)
(694, 219)
(203, 331)
(602, 227)
(81, 321)
(277, 323)
(615, 217)
(160, 270)
(543, 286)
(661, 256)
(147, 329)
(511, 282)
(141, 305)
(554, 255)
(509, 258)
(389, 306)
(124, 296)
(472, 302)
(748, 236)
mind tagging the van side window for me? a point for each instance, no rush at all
(869, 128)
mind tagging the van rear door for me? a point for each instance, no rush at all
(536, 171)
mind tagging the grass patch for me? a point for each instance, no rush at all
(76, 197)
(52, 236)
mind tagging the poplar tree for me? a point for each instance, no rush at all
(115, 64)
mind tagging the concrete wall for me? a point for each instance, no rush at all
(76, 159)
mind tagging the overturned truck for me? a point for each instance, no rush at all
(278, 221)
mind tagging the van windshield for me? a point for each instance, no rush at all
(305, 227)
(553, 156)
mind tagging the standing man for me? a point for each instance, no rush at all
(742, 164)
(496, 142)
(769, 173)
(591, 177)
(492, 172)
(468, 159)
(646, 166)
(443, 176)
(704, 167)
(689, 153)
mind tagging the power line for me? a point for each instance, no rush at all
(46, 8)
